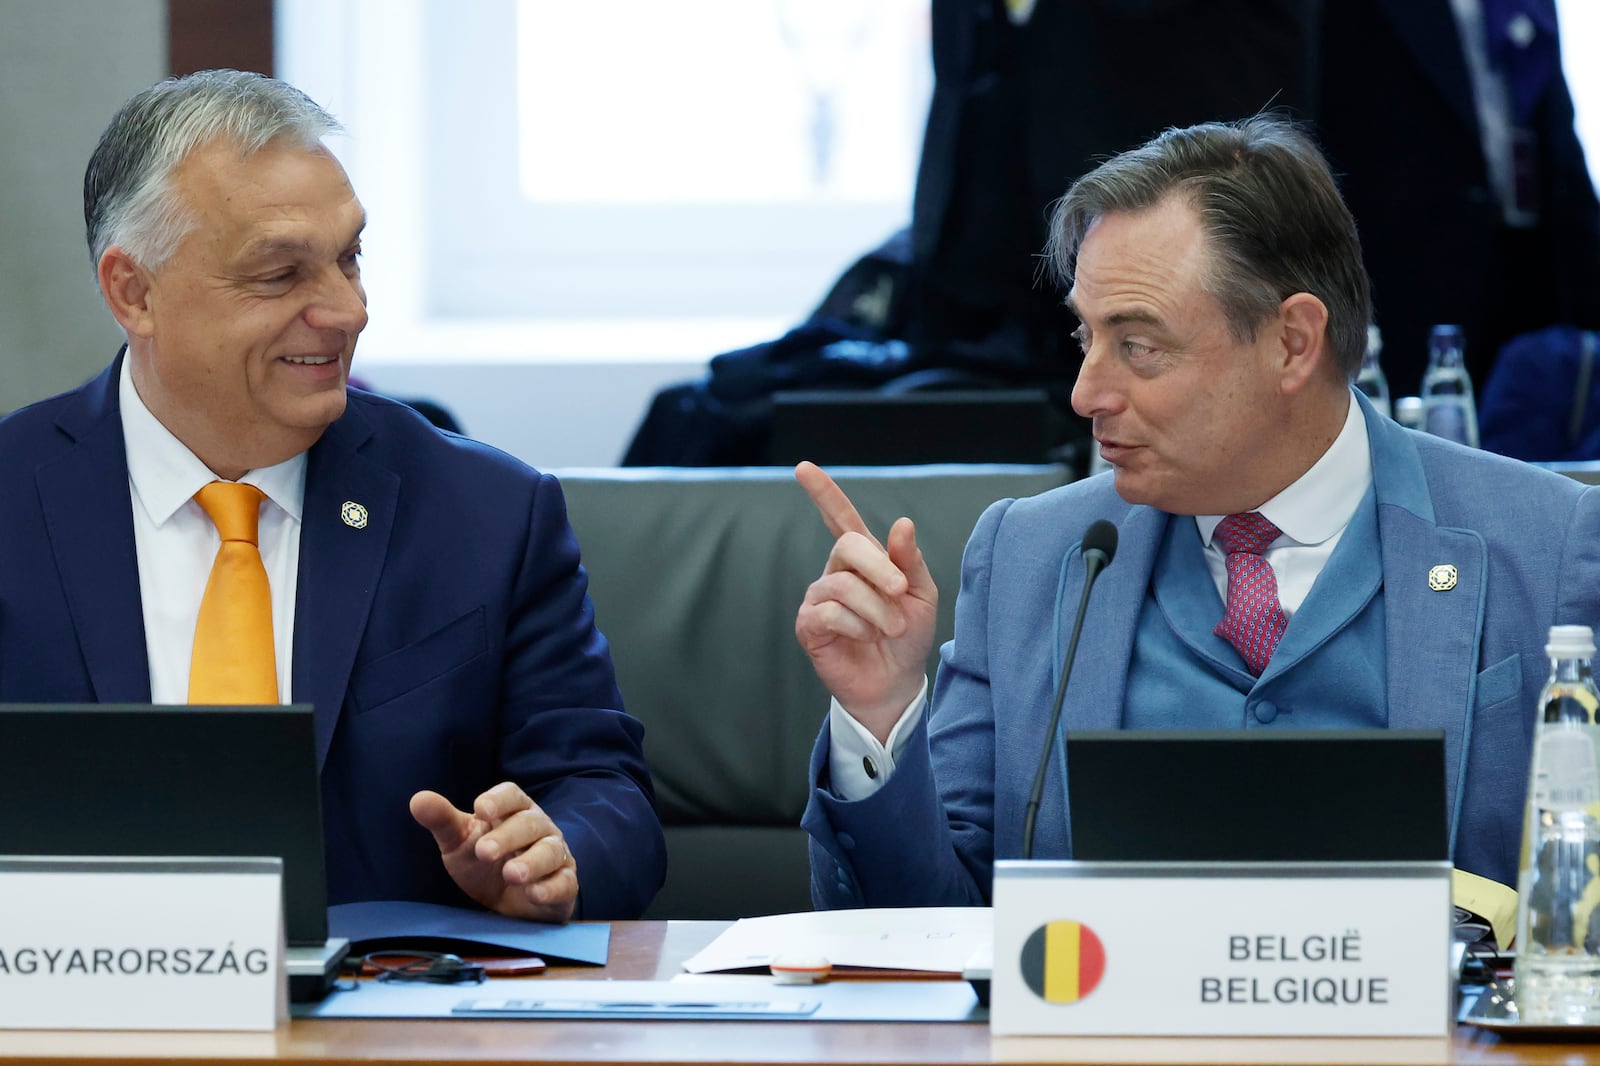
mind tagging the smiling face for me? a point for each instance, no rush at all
(1192, 420)
(241, 342)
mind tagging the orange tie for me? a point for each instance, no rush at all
(233, 660)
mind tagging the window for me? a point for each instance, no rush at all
(626, 178)
(1580, 30)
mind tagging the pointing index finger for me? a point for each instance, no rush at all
(838, 513)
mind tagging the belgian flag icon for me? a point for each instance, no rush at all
(1063, 961)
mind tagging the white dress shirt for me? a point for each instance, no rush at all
(1312, 514)
(176, 544)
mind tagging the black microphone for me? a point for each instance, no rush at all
(1099, 548)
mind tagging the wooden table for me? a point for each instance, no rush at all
(654, 950)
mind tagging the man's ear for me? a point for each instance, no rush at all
(1303, 329)
(125, 285)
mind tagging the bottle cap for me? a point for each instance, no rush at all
(1570, 642)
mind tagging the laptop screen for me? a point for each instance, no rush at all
(1258, 795)
(110, 779)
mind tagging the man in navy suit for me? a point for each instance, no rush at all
(426, 591)
(1450, 125)
(1287, 559)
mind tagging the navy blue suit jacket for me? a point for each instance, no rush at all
(449, 644)
(1399, 122)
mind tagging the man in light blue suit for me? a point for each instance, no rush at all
(1287, 559)
(426, 593)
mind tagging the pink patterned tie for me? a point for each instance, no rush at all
(1254, 620)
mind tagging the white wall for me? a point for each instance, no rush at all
(65, 66)
(1580, 35)
(549, 415)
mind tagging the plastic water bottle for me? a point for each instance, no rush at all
(1447, 402)
(1408, 412)
(1371, 379)
(1558, 886)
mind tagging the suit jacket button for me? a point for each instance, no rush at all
(1265, 712)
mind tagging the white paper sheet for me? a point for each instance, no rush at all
(939, 939)
(841, 1001)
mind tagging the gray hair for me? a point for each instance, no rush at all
(128, 198)
(1271, 210)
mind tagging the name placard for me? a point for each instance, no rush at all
(1221, 949)
(120, 943)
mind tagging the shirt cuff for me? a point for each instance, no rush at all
(857, 764)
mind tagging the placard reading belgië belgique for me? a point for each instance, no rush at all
(112, 943)
(1240, 949)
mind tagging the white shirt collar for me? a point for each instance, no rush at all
(165, 474)
(1319, 503)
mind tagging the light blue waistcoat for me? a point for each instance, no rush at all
(1328, 671)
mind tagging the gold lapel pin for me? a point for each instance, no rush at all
(355, 516)
(1442, 578)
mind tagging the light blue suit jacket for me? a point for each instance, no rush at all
(1470, 661)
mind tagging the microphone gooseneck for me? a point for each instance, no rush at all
(1099, 547)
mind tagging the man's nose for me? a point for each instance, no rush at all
(1094, 393)
(340, 303)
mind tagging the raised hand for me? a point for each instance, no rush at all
(867, 623)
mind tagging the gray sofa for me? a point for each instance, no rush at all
(696, 575)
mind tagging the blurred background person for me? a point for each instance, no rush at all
(1450, 125)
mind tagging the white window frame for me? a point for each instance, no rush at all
(332, 49)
